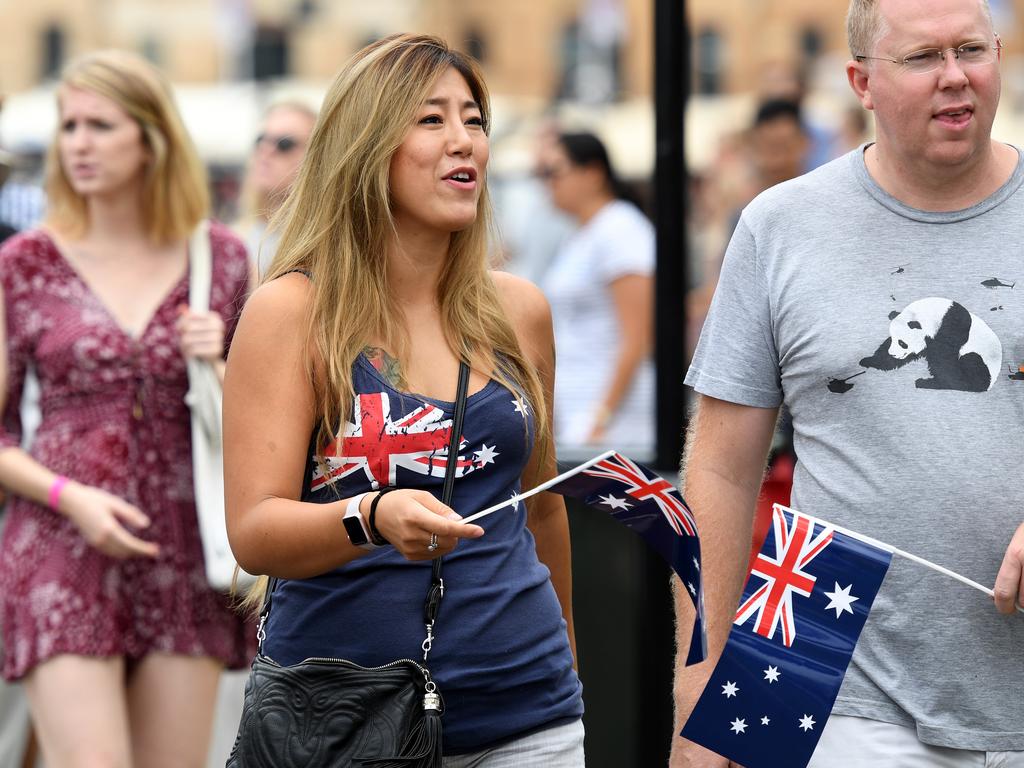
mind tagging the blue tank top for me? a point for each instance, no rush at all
(501, 654)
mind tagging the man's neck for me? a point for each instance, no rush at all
(930, 187)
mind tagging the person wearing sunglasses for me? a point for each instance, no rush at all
(276, 155)
(874, 298)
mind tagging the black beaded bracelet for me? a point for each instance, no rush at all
(375, 536)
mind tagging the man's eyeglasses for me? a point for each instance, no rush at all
(280, 144)
(977, 53)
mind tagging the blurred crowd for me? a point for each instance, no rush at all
(577, 229)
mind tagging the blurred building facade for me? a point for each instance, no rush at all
(546, 49)
(734, 42)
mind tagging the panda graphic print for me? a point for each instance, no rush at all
(961, 351)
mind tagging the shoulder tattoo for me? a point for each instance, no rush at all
(387, 366)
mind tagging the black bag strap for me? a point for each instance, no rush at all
(436, 590)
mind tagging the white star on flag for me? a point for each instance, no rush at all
(771, 674)
(729, 689)
(615, 502)
(515, 502)
(841, 600)
(696, 563)
(738, 726)
(693, 589)
(485, 455)
(765, 720)
(806, 723)
(522, 407)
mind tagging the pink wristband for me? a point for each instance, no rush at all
(55, 488)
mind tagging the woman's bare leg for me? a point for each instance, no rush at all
(79, 710)
(171, 704)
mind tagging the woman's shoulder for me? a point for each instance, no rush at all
(516, 290)
(31, 249)
(525, 303)
(29, 241)
(621, 214)
(285, 298)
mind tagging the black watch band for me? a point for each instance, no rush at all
(375, 536)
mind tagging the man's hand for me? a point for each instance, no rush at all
(1010, 579)
(727, 445)
(686, 754)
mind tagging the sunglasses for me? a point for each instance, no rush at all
(280, 144)
(548, 172)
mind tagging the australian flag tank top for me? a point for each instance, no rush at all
(501, 655)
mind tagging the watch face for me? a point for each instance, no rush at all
(354, 529)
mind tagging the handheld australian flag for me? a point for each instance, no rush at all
(647, 504)
(652, 507)
(807, 597)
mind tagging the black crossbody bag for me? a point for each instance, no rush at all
(331, 713)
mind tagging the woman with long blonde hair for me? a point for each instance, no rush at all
(106, 614)
(380, 287)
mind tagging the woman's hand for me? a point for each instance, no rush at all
(104, 521)
(407, 519)
(201, 334)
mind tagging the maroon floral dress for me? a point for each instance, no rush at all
(113, 416)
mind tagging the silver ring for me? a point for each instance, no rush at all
(433, 543)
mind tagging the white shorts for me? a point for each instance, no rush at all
(857, 742)
(558, 747)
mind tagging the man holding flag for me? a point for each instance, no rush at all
(874, 297)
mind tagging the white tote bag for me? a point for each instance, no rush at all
(204, 399)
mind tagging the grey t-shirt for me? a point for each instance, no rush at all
(909, 429)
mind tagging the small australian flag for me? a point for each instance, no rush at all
(652, 507)
(807, 597)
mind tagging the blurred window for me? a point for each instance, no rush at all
(53, 51)
(151, 49)
(270, 54)
(709, 62)
(569, 55)
(476, 44)
(306, 10)
(811, 43)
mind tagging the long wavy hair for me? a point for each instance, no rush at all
(175, 196)
(337, 222)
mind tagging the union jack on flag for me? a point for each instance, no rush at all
(796, 545)
(642, 487)
(378, 445)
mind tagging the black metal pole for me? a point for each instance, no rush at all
(670, 90)
(670, 87)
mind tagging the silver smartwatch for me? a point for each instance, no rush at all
(355, 526)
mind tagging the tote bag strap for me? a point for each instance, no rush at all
(200, 269)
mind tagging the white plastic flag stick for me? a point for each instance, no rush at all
(540, 488)
(901, 553)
